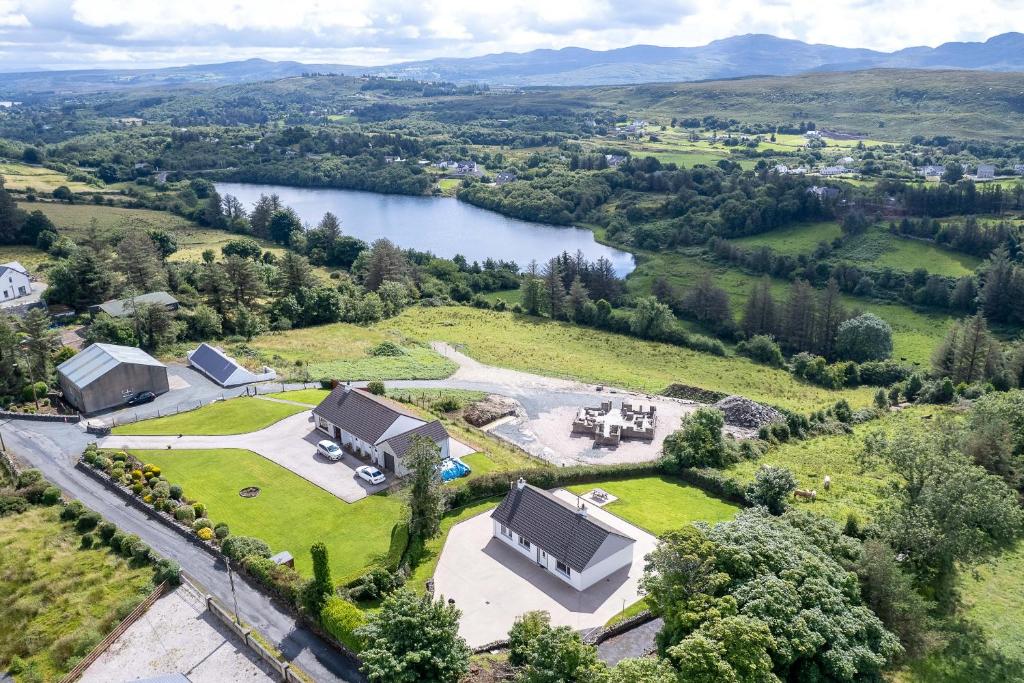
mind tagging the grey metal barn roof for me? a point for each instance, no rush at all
(88, 365)
(360, 413)
(554, 525)
(213, 362)
(401, 443)
(119, 307)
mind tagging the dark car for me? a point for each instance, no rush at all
(140, 398)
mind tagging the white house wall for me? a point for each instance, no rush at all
(606, 567)
(12, 283)
(548, 562)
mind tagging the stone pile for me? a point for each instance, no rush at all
(489, 409)
(742, 412)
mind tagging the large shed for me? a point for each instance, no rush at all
(106, 375)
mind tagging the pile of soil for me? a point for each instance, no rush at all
(742, 412)
(489, 409)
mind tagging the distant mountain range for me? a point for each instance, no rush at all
(739, 56)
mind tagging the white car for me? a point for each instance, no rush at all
(329, 450)
(370, 474)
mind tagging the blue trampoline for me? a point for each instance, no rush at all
(453, 469)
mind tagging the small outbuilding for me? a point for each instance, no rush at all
(105, 376)
(223, 369)
(121, 308)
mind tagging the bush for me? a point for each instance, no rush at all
(387, 348)
(51, 495)
(12, 504)
(29, 477)
(771, 488)
(169, 571)
(128, 544)
(377, 583)
(176, 492)
(864, 338)
(447, 404)
(341, 618)
(72, 511)
(32, 392)
(121, 456)
(205, 534)
(202, 523)
(117, 540)
(376, 388)
(185, 514)
(161, 490)
(140, 552)
(761, 349)
(106, 531)
(87, 541)
(199, 509)
(282, 580)
(87, 521)
(221, 531)
(240, 547)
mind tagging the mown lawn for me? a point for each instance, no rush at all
(659, 503)
(58, 600)
(308, 396)
(234, 416)
(289, 513)
(915, 335)
(342, 351)
(562, 350)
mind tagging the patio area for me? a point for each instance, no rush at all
(493, 584)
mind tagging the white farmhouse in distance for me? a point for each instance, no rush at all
(14, 281)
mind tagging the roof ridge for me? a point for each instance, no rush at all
(604, 526)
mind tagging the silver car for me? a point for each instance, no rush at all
(370, 474)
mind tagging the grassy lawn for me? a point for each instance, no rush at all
(800, 238)
(289, 513)
(309, 396)
(431, 552)
(993, 598)
(558, 349)
(57, 600)
(659, 503)
(342, 351)
(915, 335)
(234, 416)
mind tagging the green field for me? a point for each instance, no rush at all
(342, 351)
(289, 513)
(882, 249)
(558, 349)
(915, 335)
(18, 176)
(234, 416)
(659, 503)
(993, 598)
(799, 238)
(58, 600)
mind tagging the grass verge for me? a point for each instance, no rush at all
(234, 416)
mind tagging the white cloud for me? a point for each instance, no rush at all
(62, 33)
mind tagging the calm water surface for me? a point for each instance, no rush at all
(442, 225)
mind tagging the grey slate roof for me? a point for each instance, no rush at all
(213, 362)
(118, 308)
(360, 413)
(554, 525)
(13, 265)
(401, 443)
(96, 360)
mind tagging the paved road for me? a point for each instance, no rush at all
(53, 448)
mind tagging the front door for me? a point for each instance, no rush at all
(542, 558)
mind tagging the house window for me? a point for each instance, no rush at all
(524, 543)
(505, 531)
(562, 568)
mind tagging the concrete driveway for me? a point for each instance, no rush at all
(493, 584)
(290, 443)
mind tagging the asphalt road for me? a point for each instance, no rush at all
(54, 448)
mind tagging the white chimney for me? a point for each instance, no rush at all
(521, 484)
(582, 510)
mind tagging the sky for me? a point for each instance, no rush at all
(65, 34)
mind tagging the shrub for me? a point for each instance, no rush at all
(202, 523)
(140, 552)
(106, 531)
(12, 504)
(29, 477)
(376, 388)
(87, 521)
(185, 514)
(176, 492)
(128, 544)
(377, 583)
(51, 495)
(169, 571)
(387, 348)
(524, 632)
(447, 404)
(87, 541)
(771, 488)
(842, 411)
(282, 580)
(103, 463)
(199, 509)
(117, 540)
(864, 338)
(341, 618)
(32, 392)
(161, 490)
(121, 456)
(241, 547)
(137, 488)
(205, 533)
(221, 531)
(72, 510)
(761, 349)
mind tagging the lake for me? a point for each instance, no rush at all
(441, 225)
